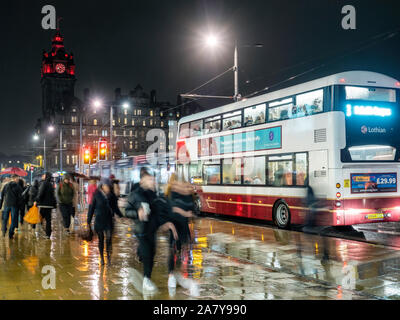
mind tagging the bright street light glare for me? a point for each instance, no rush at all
(211, 41)
(97, 103)
(35, 137)
(125, 105)
(51, 128)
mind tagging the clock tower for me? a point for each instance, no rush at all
(57, 78)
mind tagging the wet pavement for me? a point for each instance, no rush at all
(228, 260)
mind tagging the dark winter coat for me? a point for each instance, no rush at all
(103, 207)
(66, 193)
(186, 203)
(160, 210)
(33, 192)
(11, 195)
(46, 195)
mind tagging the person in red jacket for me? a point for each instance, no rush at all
(91, 190)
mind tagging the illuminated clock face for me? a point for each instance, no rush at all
(60, 68)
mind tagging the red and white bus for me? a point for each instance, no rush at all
(339, 134)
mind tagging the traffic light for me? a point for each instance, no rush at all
(86, 156)
(102, 150)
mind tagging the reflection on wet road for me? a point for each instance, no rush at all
(228, 260)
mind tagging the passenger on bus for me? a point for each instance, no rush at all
(257, 180)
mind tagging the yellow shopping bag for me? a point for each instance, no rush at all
(33, 215)
(9, 219)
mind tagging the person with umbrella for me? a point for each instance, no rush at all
(66, 193)
(11, 197)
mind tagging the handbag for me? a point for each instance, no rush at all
(33, 216)
(85, 231)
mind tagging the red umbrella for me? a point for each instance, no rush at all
(14, 170)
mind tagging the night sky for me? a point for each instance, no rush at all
(159, 44)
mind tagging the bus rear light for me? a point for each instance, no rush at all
(338, 185)
(338, 195)
(342, 80)
(397, 84)
(338, 204)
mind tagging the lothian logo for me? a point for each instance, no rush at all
(364, 129)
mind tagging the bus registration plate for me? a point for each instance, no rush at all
(375, 216)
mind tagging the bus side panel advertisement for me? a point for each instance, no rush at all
(264, 139)
(373, 182)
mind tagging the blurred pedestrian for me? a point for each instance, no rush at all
(115, 186)
(143, 202)
(180, 196)
(66, 193)
(23, 201)
(91, 190)
(310, 202)
(11, 197)
(76, 199)
(104, 205)
(46, 201)
(32, 193)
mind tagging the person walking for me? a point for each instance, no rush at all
(65, 193)
(91, 190)
(22, 206)
(115, 186)
(32, 194)
(180, 196)
(11, 196)
(46, 201)
(104, 205)
(142, 202)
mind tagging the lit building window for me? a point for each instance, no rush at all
(136, 145)
(162, 124)
(151, 113)
(73, 132)
(125, 121)
(56, 160)
(95, 122)
(144, 123)
(161, 114)
(139, 112)
(115, 133)
(131, 145)
(170, 147)
(125, 112)
(124, 133)
(74, 119)
(177, 114)
(134, 112)
(133, 122)
(113, 122)
(151, 122)
(67, 158)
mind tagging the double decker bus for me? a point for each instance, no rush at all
(338, 135)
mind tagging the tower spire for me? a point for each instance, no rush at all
(58, 23)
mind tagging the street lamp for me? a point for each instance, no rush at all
(36, 138)
(213, 41)
(97, 104)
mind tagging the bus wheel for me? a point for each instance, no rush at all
(281, 215)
